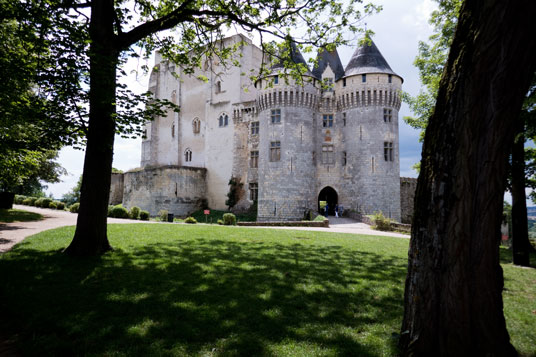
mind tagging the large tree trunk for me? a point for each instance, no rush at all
(520, 228)
(453, 297)
(91, 237)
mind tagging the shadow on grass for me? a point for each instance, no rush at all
(205, 296)
(15, 215)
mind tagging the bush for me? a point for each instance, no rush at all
(229, 219)
(319, 218)
(74, 207)
(144, 215)
(53, 205)
(190, 220)
(134, 212)
(119, 211)
(38, 202)
(59, 205)
(220, 222)
(45, 203)
(162, 215)
(27, 201)
(110, 209)
(32, 201)
(381, 223)
(19, 199)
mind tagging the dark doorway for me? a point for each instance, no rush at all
(329, 195)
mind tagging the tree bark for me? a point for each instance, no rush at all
(453, 296)
(520, 229)
(90, 237)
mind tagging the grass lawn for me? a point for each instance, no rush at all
(17, 215)
(214, 290)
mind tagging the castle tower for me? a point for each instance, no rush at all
(286, 113)
(368, 98)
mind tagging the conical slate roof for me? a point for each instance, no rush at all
(295, 56)
(368, 59)
(330, 58)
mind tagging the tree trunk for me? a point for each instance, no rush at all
(520, 228)
(90, 237)
(453, 297)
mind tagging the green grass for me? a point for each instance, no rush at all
(17, 215)
(215, 215)
(205, 290)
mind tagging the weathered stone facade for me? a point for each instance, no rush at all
(290, 145)
(408, 185)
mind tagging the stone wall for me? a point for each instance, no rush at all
(408, 186)
(180, 190)
(116, 189)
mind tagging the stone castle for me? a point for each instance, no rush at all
(288, 145)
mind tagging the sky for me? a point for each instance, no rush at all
(398, 29)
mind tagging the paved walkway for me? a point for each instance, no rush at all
(13, 233)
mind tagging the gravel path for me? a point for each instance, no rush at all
(13, 233)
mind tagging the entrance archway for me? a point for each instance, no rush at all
(329, 195)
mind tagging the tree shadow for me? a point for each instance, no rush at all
(199, 296)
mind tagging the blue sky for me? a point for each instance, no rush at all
(398, 29)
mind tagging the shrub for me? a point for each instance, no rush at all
(229, 219)
(60, 205)
(162, 215)
(220, 222)
(110, 208)
(190, 220)
(32, 201)
(134, 212)
(74, 207)
(19, 199)
(381, 223)
(319, 218)
(27, 201)
(53, 205)
(144, 215)
(119, 211)
(38, 202)
(45, 203)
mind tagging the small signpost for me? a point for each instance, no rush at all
(206, 212)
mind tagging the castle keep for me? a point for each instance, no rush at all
(289, 145)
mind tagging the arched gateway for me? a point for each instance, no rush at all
(329, 195)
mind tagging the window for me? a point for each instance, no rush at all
(390, 78)
(344, 82)
(327, 120)
(218, 87)
(254, 159)
(276, 79)
(363, 78)
(276, 116)
(327, 154)
(196, 125)
(328, 82)
(255, 128)
(344, 158)
(253, 191)
(173, 130)
(388, 150)
(223, 120)
(343, 119)
(275, 151)
(387, 115)
(188, 155)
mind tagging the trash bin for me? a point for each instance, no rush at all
(170, 217)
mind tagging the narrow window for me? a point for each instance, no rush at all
(196, 125)
(363, 78)
(390, 78)
(253, 191)
(173, 130)
(327, 120)
(188, 155)
(388, 150)
(275, 151)
(224, 120)
(254, 159)
(218, 87)
(327, 154)
(344, 158)
(373, 165)
(276, 79)
(255, 128)
(344, 82)
(387, 115)
(343, 119)
(276, 116)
